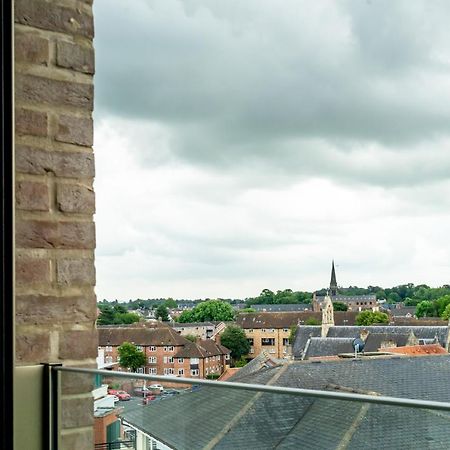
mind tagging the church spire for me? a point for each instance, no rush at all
(333, 282)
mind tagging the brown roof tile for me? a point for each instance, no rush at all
(140, 336)
(288, 319)
(202, 349)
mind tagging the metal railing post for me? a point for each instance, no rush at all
(52, 409)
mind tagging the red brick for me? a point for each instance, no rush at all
(50, 16)
(32, 347)
(75, 272)
(77, 412)
(32, 196)
(75, 198)
(63, 164)
(49, 309)
(34, 123)
(46, 234)
(75, 130)
(40, 90)
(78, 344)
(75, 56)
(31, 271)
(31, 48)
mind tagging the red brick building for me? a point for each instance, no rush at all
(166, 351)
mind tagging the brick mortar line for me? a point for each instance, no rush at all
(38, 178)
(76, 111)
(49, 72)
(50, 34)
(49, 144)
(53, 216)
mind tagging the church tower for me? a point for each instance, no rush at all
(327, 315)
(333, 282)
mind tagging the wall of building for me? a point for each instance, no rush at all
(55, 234)
(280, 336)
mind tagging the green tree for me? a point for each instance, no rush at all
(292, 333)
(235, 340)
(425, 309)
(162, 313)
(191, 337)
(371, 317)
(170, 303)
(446, 314)
(215, 310)
(186, 317)
(241, 362)
(340, 306)
(441, 303)
(115, 315)
(130, 357)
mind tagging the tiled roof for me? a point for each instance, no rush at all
(287, 319)
(222, 418)
(140, 336)
(417, 350)
(192, 324)
(202, 349)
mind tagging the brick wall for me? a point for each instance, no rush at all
(55, 234)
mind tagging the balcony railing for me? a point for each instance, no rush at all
(196, 414)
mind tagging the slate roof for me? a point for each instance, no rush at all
(319, 346)
(301, 338)
(348, 298)
(375, 340)
(202, 349)
(222, 418)
(421, 332)
(140, 336)
(274, 319)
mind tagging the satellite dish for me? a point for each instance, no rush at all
(358, 345)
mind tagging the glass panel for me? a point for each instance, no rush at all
(175, 415)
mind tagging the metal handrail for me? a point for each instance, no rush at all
(330, 395)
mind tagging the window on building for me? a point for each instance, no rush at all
(250, 341)
(108, 348)
(140, 370)
(152, 370)
(168, 348)
(170, 359)
(271, 330)
(152, 348)
(285, 341)
(267, 341)
(139, 347)
(194, 372)
(152, 359)
(168, 371)
(252, 350)
(263, 330)
(286, 330)
(250, 330)
(181, 360)
(181, 372)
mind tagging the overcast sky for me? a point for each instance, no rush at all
(243, 144)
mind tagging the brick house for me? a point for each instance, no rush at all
(165, 351)
(200, 359)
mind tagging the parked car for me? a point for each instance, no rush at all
(116, 399)
(156, 386)
(123, 396)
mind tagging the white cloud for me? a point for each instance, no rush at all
(240, 145)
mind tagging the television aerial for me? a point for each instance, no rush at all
(358, 345)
